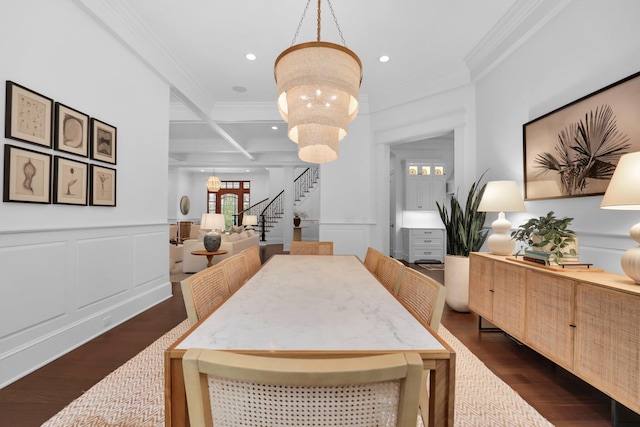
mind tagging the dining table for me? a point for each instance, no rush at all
(315, 306)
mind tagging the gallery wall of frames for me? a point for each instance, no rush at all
(70, 159)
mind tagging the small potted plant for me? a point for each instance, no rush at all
(548, 234)
(297, 217)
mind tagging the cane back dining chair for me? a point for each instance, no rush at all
(227, 389)
(235, 271)
(423, 295)
(372, 258)
(310, 248)
(252, 259)
(389, 271)
(203, 291)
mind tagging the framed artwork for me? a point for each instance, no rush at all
(103, 142)
(573, 150)
(71, 130)
(28, 115)
(103, 186)
(69, 181)
(27, 176)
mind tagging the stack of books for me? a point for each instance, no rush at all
(544, 258)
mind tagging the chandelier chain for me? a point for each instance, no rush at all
(318, 36)
(304, 13)
(334, 20)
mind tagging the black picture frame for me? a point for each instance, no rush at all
(104, 141)
(71, 130)
(27, 176)
(70, 179)
(28, 115)
(102, 190)
(573, 151)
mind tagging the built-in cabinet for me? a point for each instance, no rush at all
(586, 322)
(424, 184)
(423, 244)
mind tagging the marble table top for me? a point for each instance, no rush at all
(315, 303)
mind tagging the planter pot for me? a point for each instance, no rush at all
(456, 280)
(296, 221)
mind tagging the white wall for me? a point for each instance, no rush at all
(72, 272)
(350, 190)
(589, 45)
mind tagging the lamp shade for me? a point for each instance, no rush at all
(206, 223)
(623, 192)
(250, 220)
(501, 196)
(218, 222)
(317, 85)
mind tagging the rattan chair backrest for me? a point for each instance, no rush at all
(235, 271)
(310, 248)
(203, 291)
(423, 295)
(228, 389)
(389, 272)
(252, 259)
(372, 258)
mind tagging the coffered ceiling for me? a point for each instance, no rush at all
(223, 105)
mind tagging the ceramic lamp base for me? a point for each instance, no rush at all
(212, 241)
(630, 261)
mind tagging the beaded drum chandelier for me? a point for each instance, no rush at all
(318, 84)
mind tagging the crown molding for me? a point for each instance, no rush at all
(521, 21)
(418, 87)
(120, 20)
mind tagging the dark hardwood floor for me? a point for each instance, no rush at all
(562, 398)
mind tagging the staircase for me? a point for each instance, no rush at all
(271, 212)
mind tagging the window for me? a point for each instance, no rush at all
(232, 198)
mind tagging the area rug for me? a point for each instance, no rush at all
(133, 395)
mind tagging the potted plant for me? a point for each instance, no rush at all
(548, 234)
(465, 234)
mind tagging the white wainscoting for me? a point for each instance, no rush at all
(61, 288)
(347, 238)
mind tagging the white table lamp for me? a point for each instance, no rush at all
(501, 196)
(623, 193)
(206, 223)
(249, 221)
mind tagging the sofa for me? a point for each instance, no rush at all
(233, 243)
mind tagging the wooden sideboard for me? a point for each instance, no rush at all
(588, 322)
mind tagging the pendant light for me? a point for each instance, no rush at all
(213, 184)
(318, 84)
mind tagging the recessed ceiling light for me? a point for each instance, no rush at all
(250, 56)
(239, 88)
(384, 58)
(274, 127)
